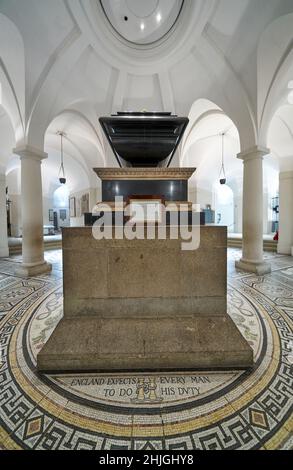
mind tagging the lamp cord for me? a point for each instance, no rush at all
(223, 165)
(62, 160)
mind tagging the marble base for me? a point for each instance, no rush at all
(30, 271)
(197, 342)
(258, 268)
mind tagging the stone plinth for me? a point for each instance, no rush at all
(144, 304)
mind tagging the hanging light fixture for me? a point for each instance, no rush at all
(223, 179)
(61, 174)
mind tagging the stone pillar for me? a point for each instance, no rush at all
(252, 231)
(286, 213)
(33, 262)
(3, 219)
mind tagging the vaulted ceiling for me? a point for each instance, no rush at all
(64, 63)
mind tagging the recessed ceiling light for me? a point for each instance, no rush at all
(159, 17)
(142, 26)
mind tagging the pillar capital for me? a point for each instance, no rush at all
(31, 153)
(253, 153)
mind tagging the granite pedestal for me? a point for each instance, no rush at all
(144, 305)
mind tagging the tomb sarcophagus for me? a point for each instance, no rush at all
(141, 303)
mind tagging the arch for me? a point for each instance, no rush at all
(280, 137)
(97, 141)
(201, 110)
(202, 148)
(275, 70)
(12, 75)
(82, 141)
(57, 71)
(237, 103)
(7, 141)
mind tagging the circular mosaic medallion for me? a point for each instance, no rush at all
(198, 410)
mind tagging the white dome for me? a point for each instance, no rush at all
(142, 22)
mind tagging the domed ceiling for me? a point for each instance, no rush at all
(142, 22)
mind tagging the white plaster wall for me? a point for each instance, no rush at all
(94, 197)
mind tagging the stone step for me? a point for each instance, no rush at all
(48, 245)
(269, 245)
(90, 343)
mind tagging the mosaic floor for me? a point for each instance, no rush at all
(207, 410)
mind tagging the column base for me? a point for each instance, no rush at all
(29, 271)
(258, 268)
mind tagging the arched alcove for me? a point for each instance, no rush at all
(210, 134)
(280, 141)
(83, 151)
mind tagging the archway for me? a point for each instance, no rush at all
(82, 153)
(211, 135)
(7, 211)
(280, 140)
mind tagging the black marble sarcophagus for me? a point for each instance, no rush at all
(144, 139)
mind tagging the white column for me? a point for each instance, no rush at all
(33, 262)
(252, 231)
(3, 219)
(286, 213)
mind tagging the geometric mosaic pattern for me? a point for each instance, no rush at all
(173, 411)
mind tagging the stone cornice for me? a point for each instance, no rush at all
(106, 174)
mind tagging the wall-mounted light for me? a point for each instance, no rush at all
(61, 175)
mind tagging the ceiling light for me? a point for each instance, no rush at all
(223, 178)
(159, 17)
(62, 178)
(142, 26)
(290, 97)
